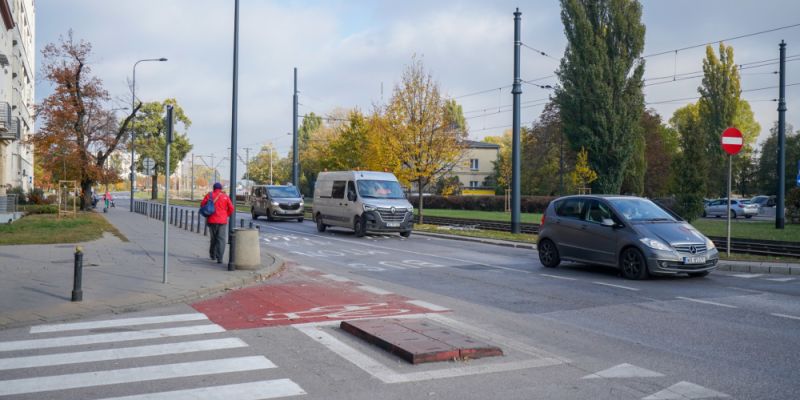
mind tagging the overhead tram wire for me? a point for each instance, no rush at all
(721, 40)
(538, 51)
(697, 97)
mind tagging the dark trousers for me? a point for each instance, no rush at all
(217, 249)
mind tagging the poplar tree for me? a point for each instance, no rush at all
(600, 94)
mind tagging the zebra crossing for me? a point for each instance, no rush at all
(122, 358)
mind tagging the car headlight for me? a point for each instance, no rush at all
(368, 207)
(710, 244)
(302, 203)
(274, 203)
(655, 244)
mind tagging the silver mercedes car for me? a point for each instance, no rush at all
(631, 233)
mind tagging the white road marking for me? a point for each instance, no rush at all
(336, 278)
(242, 391)
(624, 371)
(747, 276)
(685, 390)
(780, 279)
(119, 354)
(375, 290)
(110, 323)
(616, 286)
(139, 374)
(425, 304)
(559, 277)
(109, 337)
(304, 268)
(466, 262)
(786, 316)
(713, 303)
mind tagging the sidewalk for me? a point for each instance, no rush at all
(756, 267)
(118, 276)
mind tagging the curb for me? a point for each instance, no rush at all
(141, 302)
(759, 268)
(496, 242)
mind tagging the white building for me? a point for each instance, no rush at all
(16, 93)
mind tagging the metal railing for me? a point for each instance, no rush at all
(8, 203)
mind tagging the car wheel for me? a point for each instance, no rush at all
(548, 253)
(405, 234)
(633, 264)
(253, 214)
(269, 215)
(320, 226)
(748, 216)
(733, 214)
(359, 227)
(698, 274)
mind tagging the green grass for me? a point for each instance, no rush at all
(742, 229)
(49, 229)
(533, 218)
(521, 237)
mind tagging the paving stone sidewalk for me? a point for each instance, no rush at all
(118, 276)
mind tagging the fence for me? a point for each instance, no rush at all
(8, 203)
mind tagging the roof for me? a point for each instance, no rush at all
(472, 144)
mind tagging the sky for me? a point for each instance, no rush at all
(351, 54)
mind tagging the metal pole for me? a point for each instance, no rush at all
(730, 163)
(191, 190)
(77, 292)
(232, 190)
(515, 152)
(133, 134)
(295, 162)
(166, 190)
(780, 217)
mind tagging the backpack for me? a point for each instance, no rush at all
(208, 209)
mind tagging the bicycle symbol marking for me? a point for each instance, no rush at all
(342, 311)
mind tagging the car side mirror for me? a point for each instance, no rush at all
(608, 222)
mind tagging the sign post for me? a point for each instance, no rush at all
(170, 125)
(732, 143)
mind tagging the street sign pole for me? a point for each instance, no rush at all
(166, 191)
(732, 142)
(730, 170)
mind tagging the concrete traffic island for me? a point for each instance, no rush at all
(418, 340)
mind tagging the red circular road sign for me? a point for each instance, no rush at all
(732, 141)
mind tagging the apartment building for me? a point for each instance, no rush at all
(17, 50)
(476, 165)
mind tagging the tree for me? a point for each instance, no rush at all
(766, 175)
(661, 147)
(583, 174)
(501, 174)
(600, 96)
(717, 108)
(691, 164)
(418, 128)
(77, 130)
(151, 142)
(542, 147)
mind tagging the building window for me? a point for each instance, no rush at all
(473, 184)
(473, 164)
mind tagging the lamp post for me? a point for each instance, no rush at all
(133, 133)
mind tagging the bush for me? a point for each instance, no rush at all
(528, 204)
(39, 209)
(37, 196)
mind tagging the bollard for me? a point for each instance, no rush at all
(251, 224)
(241, 223)
(188, 221)
(191, 226)
(77, 293)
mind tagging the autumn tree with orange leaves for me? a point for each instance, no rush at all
(78, 130)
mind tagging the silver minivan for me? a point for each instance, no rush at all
(364, 201)
(276, 202)
(631, 233)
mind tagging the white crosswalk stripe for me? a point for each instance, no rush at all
(108, 364)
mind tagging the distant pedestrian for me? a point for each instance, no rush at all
(223, 208)
(108, 199)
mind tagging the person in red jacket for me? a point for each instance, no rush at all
(223, 208)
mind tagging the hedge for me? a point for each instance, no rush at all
(529, 204)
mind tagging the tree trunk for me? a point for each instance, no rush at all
(154, 190)
(86, 195)
(419, 186)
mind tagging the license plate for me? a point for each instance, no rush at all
(694, 260)
(393, 224)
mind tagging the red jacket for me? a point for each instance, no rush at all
(223, 208)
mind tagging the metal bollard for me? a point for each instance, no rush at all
(191, 226)
(77, 293)
(251, 224)
(180, 220)
(188, 221)
(241, 223)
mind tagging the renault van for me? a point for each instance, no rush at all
(276, 202)
(363, 201)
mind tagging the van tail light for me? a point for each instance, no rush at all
(542, 223)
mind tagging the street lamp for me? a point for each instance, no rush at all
(133, 133)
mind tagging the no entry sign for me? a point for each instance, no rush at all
(732, 141)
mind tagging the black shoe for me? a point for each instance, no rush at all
(219, 261)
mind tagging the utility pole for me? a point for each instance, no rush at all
(295, 162)
(247, 163)
(779, 213)
(191, 184)
(232, 185)
(270, 164)
(515, 150)
(213, 169)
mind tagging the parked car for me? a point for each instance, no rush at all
(276, 202)
(763, 201)
(630, 233)
(739, 208)
(362, 201)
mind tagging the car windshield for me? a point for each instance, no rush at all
(640, 210)
(283, 192)
(374, 189)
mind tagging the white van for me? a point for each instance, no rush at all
(363, 201)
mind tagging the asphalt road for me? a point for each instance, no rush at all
(575, 332)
